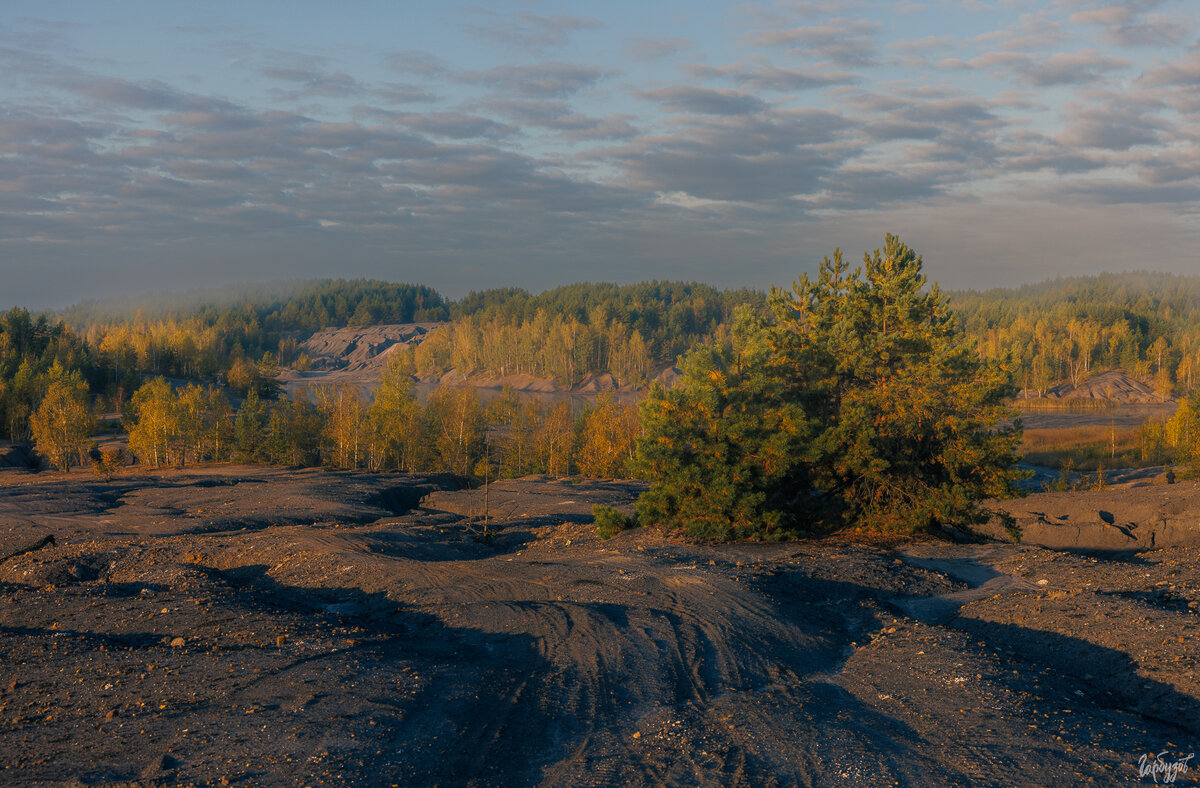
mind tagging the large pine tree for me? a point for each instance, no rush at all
(856, 400)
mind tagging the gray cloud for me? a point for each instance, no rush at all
(848, 42)
(771, 77)
(456, 125)
(1111, 127)
(147, 95)
(417, 62)
(642, 48)
(526, 31)
(1129, 24)
(767, 156)
(704, 101)
(313, 83)
(549, 79)
(559, 116)
(1070, 68)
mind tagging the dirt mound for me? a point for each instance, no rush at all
(669, 377)
(1113, 386)
(596, 382)
(1132, 517)
(342, 348)
(345, 637)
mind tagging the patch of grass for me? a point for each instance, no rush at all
(1053, 405)
(1089, 448)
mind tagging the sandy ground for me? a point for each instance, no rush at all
(250, 626)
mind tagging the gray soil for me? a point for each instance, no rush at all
(249, 626)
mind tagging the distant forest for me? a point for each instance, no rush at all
(1066, 329)
(1069, 329)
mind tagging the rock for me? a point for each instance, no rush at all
(160, 768)
(177, 642)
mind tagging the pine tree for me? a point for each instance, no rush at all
(857, 400)
(249, 428)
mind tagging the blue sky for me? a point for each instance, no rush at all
(167, 145)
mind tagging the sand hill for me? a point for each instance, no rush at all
(1114, 385)
(357, 355)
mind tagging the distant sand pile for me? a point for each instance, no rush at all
(358, 355)
(354, 349)
(1112, 386)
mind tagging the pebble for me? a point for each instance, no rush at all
(178, 642)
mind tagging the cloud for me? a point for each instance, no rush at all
(1111, 127)
(146, 95)
(1070, 68)
(559, 116)
(456, 125)
(1129, 25)
(403, 93)
(704, 101)
(642, 48)
(313, 84)
(417, 62)
(773, 78)
(549, 79)
(525, 31)
(762, 157)
(847, 42)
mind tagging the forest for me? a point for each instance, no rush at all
(212, 358)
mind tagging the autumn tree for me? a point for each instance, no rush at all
(344, 415)
(63, 423)
(553, 440)
(394, 418)
(608, 438)
(454, 426)
(153, 424)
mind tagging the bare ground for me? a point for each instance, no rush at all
(337, 628)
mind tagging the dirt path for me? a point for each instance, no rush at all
(330, 634)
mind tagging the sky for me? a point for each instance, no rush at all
(157, 145)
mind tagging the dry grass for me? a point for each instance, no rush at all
(1088, 448)
(1053, 405)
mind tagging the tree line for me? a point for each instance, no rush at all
(453, 431)
(1068, 329)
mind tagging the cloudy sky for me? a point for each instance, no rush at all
(161, 144)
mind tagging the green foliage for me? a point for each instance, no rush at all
(249, 429)
(577, 330)
(610, 522)
(857, 400)
(1067, 329)
(724, 449)
(293, 432)
(33, 354)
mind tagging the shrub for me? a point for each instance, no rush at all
(610, 522)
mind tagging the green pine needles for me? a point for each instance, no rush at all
(856, 400)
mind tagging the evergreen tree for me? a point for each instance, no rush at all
(723, 449)
(857, 401)
(249, 428)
